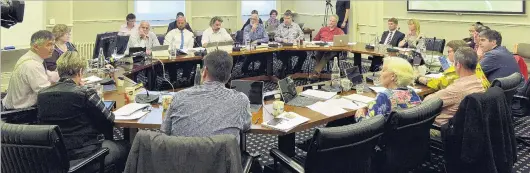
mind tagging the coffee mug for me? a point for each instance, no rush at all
(277, 108)
(166, 101)
(130, 92)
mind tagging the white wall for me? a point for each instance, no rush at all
(20, 34)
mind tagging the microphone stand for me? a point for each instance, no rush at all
(329, 7)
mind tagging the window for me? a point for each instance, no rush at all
(263, 7)
(158, 12)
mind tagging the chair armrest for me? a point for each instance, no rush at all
(285, 160)
(436, 127)
(100, 154)
(248, 160)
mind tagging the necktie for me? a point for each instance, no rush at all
(389, 38)
(181, 39)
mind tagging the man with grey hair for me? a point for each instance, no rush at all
(29, 75)
(496, 60)
(215, 33)
(143, 38)
(465, 63)
(211, 108)
(326, 34)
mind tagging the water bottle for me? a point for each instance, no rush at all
(247, 43)
(335, 74)
(172, 51)
(197, 80)
(101, 59)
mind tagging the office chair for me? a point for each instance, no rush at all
(161, 38)
(435, 45)
(509, 84)
(20, 116)
(121, 44)
(348, 148)
(405, 143)
(40, 148)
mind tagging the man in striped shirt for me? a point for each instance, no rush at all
(211, 108)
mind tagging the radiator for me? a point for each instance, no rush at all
(86, 50)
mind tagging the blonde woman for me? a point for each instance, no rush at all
(397, 74)
(412, 39)
(61, 32)
(82, 116)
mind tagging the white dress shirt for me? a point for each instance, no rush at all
(174, 37)
(209, 36)
(136, 41)
(27, 79)
(124, 31)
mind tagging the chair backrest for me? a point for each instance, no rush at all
(33, 148)
(509, 84)
(121, 44)
(523, 49)
(435, 45)
(161, 38)
(20, 116)
(521, 101)
(406, 140)
(239, 37)
(523, 68)
(348, 148)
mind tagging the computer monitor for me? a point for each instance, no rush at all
(417, 58)
(253, 89)
(107, 41)
(287, 89)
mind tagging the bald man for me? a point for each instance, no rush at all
(180, 37)
(143, 38)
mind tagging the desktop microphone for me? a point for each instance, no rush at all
(146, 98)
(432, 53)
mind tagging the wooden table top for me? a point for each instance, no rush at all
(315, 118)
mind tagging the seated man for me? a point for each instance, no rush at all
(393, 36)
(180, 37)
(497, 61)
(248, 20)
(290, 32)
(129, 27)
(211, 108)
(143, 38)
(450, 75)
(173, 25)
(82, 116)
(215, 33)
(326, 34)
(255, 32)
(29, 75)
(465, 63)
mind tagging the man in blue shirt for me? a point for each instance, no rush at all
(496, 60)
(255, 33)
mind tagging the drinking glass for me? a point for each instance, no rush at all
(359, 88)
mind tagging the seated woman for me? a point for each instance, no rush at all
(61, 32)
(272, 23)
(449, 75)
(413, 38)
(396, 75)
(81, 116)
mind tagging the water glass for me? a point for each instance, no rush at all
(359, 88)
(377, 78)
(99, 89)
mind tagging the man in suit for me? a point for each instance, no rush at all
(392, 36)
(173, 25)
(496, 60)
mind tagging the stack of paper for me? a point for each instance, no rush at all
(131, 111)
(326, 109)
(285, 121)
(381, 89)
(435, 75)
(359, 98)
(91, 79)
(324, 95)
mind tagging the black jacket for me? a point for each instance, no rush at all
(80, 114)
(173, 25)
(396, 38)
(480, 137)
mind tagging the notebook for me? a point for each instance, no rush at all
(290, 95)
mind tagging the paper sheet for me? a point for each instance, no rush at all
(326, 109)
(130, 109)
(133, 116)
(436, 76)
(318, 94)
(381, 89)
(359, 98)
(344, 103)
(91, 79)
(153, 117)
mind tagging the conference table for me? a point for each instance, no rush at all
(286, 140)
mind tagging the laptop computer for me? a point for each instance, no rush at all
(159, 48)
(354, 75)
(290, 95)
(252, 89)
(444, 62)
(417, 59)
(340, 40)
(134, 50)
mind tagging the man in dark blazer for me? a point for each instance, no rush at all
(173, 25)
(395, 37)
(391, 37)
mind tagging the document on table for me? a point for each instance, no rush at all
(326, 109)
(345, 103)
(381, 89)
(435, 75)
(91, 79)
(359, 98)
(318, 94)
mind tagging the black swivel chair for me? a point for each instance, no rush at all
(40, 148)
(435, 45)
(509, 84)
(405, 144)
(161, 38)
(20, 116)
(348, 148)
